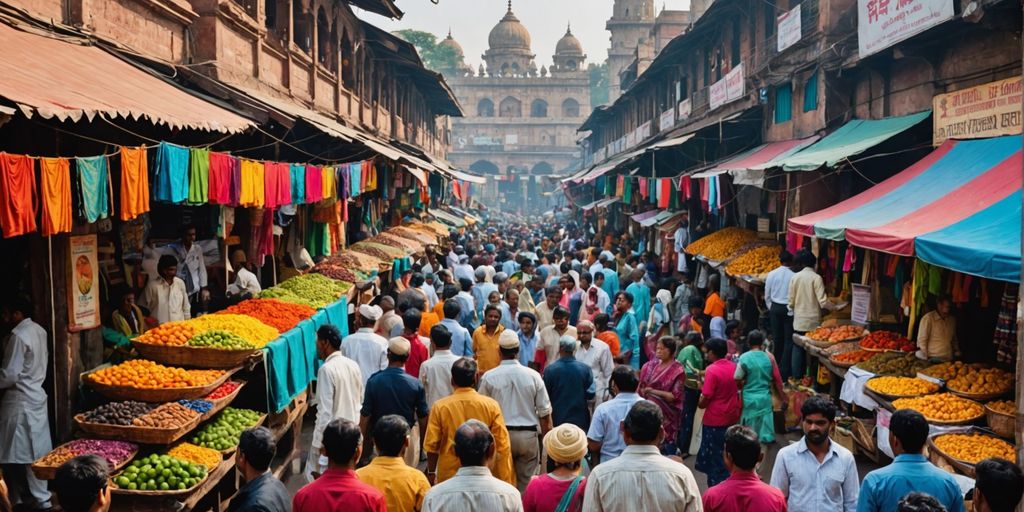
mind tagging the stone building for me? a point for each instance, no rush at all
(520, 121)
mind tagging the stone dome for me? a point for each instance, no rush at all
(450, 42)
(568, 45)
(509, 33)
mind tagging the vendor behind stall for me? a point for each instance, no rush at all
(936, 336)
(166, 296)
(246, 284)
(191, 267)
(128, 319)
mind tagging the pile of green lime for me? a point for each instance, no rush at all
(220, 339)
(222, 433)
(160, 473)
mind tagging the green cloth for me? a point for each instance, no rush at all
(627, 190)
(851, 139)
(199, 176)
(693, 361)
(756, 368)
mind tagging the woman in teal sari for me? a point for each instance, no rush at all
(756, 374)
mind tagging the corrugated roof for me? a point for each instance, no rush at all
(65, 77)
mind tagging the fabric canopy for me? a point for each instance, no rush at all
(672, 222)
(600, 203)
(851, 139)
(660, 217)
(953, 201)
(645, 215)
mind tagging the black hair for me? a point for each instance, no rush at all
(552, 290)
(464, 372)
(440, 336)
(1001, 482)
(449, 291)
(507, 353)
(465, 284)
(625, 378)
(79, 482)
(341, 439)
(717, 346)
(625, 295)
(805, 258)
(166, 261)
(560, 312)
(910, 427)
(472, 442)
(818, 404)
(259, 447)
(669, 342)
(598, 275)
(731, 326)
(330, 334)
(693, 338)
(411, 319)
(919, 502)
(601, 321)
(785, 257)
(416, 280)
(743, 446)
(695, 302)
(491, 307)
(527, 314)
(755, 338)
(19, 303)
(643, 422)
(585, 276)
(451, 309)
(389, 434)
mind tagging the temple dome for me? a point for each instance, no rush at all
(568, 45)
(509, 34)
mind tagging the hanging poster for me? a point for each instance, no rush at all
(861, 304)
(83, 283)
(987, 110)
(789, 28)
(667, 119)
(883, 23)
(683, 110)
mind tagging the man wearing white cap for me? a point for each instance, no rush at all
(524, 404)
(392, 391)
(339, 393)
(463, 270)
(367, 349)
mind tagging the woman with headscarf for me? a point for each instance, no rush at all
(662, 381)
(572, 296)
(659, 322)
(561, 488)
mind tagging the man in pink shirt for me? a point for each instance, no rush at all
(743, 490)
(720, 400)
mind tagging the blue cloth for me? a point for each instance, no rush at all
(92, 178)
(355, 178)
(611, 283)
(629, 337)
(510, 267)
(171, 173)
(570, 384)
(462, 341)
(392, 391)
(527, 347)
(298, 173)
(641, 300)
(605, 426)
(882, 488)
(507, 321)
(986, 244)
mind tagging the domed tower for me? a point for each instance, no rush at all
(460, 68)
(631, 23)
(569, 54)
(509, 51)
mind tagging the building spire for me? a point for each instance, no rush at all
(510, 6)
(449, 32)
(568, 28)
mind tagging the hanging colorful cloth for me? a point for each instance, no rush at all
(314, 185)
(284, 184)
(55, 188)
(172, 173)
(270, 185)
(93, 187)
(327, 180)
(642, 188)
(355, 178)
(652, 191)
(220, 178)
(684, 185)
(371, 175)
(1005, 337)
(236, 181)
(199, 176)
(627, 191)
(298, 172)
(712, 193)
(664, 192)
(17, 194)
(253, 192)
(134, 182)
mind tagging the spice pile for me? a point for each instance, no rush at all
(887, 340)
(115, 452)
(893, 363)
(853, 357)
(279, 314)
(755, 262)
(837, 333)
(189, 452)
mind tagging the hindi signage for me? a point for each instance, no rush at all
(985, 110)
(83, 283)
(684, 109)
(667, 119)
(883, 23)
(789, 28)
(730, 88)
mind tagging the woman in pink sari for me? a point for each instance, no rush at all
(662, 381)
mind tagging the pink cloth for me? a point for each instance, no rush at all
(744, 491)
(314, 184)
(543, 494)
(723, 396)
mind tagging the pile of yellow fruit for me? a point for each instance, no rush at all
(982, 381)
(974, 448)
(757, 261)
(721, 244)
(948, 371)
(1003, 406)
(942, 407)
(247, 327)
(901, 386)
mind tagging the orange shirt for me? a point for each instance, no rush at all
(714, 306)
(612, 339)
(427, 321)
(448, 414)
(485, 346)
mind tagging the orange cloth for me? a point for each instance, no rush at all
(134, 183)
(439, 310)
(55, 188)
(714, 305)
(612, 339)
(17, 194)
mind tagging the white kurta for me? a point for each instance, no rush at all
(24, 425)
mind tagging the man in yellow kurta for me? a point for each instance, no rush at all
(450, 412)
(404, 487)
(485, 340)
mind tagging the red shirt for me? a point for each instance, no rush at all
(339, 489)
(744, 492)
(417, 354)
(723, 396)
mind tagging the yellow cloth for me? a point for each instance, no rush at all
(485, 346)
(427, 322)
(404, 487)
(253, 193)
(327, 180)
(451, 412)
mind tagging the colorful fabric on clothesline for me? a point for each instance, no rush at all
(199, 176)
(55, 178)
(253, 193)
(221, 178)
(134, 183)
(172, 173)
(314, 184)
(298, 172)
(17, 194)
(93, 189)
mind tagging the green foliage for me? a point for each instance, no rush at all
(598, 83)
(435, 56)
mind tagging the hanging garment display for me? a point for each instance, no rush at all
(220, 177)
(199, 176)
(314, 185)
(298, 172)
(327, 181)
(1005, 337)
(134, 182)
(253, 193)
(93, 187)
(55, 188)
(172, 173)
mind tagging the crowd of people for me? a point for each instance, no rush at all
(547, 369)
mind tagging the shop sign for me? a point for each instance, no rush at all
(667, 119)
(883, 23)
(986, 110)
(789, 28)
(716, 94)
(860, 304)
(730, 88)
(684, 109)
(645, 131)
(630, 139)
(83, 283)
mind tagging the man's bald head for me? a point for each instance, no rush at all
(387, 303)
(474, 444)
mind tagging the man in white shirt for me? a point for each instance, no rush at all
(389, 321)
(547, 348)
(806, 300)
(463, 270)
(641, 476)
(368, 350)
(191, 265)
(524, 404)
(246, 284)
(776, 298)
(339, 393)
(166, 297)
(597, 355)
(436, 372)
(680, 239)
(473, 487)
(452, 259)
(604, 438)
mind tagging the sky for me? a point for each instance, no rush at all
(471, 20)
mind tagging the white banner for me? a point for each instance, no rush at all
(684, 109)
(789, 28)
(667, 119)
(643, 132)
(728, 89)
(511, 138)
(716, 94)
(883, 23)
(630, 139)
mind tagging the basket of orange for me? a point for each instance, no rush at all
(146, 381)
(886, 341)
(1001, 417)
(851, 358)
(979, 383)
(964, 450)
(211, 341)
(825, 336)
(943, 408)
(900, 387)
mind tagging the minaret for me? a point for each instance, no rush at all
(630, 23)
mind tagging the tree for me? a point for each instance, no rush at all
(598, 84)
(434, 55)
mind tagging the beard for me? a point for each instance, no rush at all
(817, 437)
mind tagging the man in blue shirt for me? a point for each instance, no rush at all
(528, 337)
(462, 342)
(910, 471)
(604, 439)
(392, 391)
(641, 298)
(570, 385)
(262, 491)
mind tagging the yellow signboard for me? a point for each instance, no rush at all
(986, 110)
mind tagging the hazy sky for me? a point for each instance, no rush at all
(472, 20)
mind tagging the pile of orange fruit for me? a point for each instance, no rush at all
(837, 333)
(901, 386)
(721, 244)
(982, 381)
(1003, 406)
(949, 371)
(974, 448)
(757, 261)
(942, 407)
(853, 356)
(143, 374)
(170, 333)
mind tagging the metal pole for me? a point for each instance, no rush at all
(1019, 435)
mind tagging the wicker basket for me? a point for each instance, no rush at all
(979, 397)
(967, 421)
(46, 472)
(895, 397)
(1004, 425)
(114, 489)
(194, 357)
(963, 466)
(141, 435)
(158, 395)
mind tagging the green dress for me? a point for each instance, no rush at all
(756, 367)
